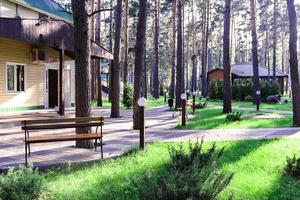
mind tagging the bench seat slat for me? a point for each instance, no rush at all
(52, 138)
(63, 120)
(61, 126)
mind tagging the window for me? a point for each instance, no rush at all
(15, 78)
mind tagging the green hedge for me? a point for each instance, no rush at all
(241, 90)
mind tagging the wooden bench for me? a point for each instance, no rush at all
(50, 124)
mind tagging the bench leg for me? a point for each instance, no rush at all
(101, 145)
(95, 144)
(29, 150)
(26, 154)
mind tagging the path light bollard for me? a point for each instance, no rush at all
(142, 102)
(194, 101)
(183, 104)
(257, 99)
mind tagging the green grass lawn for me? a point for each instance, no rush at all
(257, 166)
(240, 104)
(213, 118)
(150, 104)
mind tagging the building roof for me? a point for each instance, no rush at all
(246, 70)
(49, 7)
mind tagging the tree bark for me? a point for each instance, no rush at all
(139, 61)
(98, 61)
(294, 62)
(156, 62)
(179, 67)
(274, 39)
(172, 86)
(227, 108)
(194, 53)
(204, 87)
(82, 48)
(110, 49)
(115, 96)
(125, 72)
(256, 86)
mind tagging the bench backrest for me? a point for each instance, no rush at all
(62, 123)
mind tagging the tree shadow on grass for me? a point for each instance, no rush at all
(239, 149)
(285, 188)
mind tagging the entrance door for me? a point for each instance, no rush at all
(53, 88)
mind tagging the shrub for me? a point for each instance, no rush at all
(292, 167)
(200, 105)
(269, 89)
(235, 116)
(192, 174)
(161, 90)
(248, 98)
(23, 184)
(128, 96)
(243, 88)
(216, 90)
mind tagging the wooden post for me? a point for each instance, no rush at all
(142, 127)
(61, 82)
(183, 122)
(194, 101)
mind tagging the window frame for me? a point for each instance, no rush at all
(15, 77)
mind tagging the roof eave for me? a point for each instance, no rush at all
(41, 11)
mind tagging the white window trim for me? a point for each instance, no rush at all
(15, 85)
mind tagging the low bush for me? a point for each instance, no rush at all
(192, 174)
(21, 184)
(292, 167)
(200, 105)
(235, 116)
(249, 98)
(128, 96)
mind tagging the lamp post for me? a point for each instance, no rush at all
(194, 101)
(257, 99)
(183, 98)
(142, 102)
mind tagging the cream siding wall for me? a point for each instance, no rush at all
(26, 13)
(20, 52)
(9, 10)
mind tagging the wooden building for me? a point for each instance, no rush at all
(37, 55)
(245, 71)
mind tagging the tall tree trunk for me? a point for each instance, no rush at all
(205, 50)
(110, 49)
(274, 39)
(256, 86)
(156, 39)
(179, 67)
(145, 86)
(115, 96)
(172, 86)
(82, 49)
(294, 62)
(267, 52)
(183, 49)
(98, 62)
(139, 61)
(226, 59)
(194, 53)
(125, 72)
(93, 62)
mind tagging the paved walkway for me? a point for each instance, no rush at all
(118, 136)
